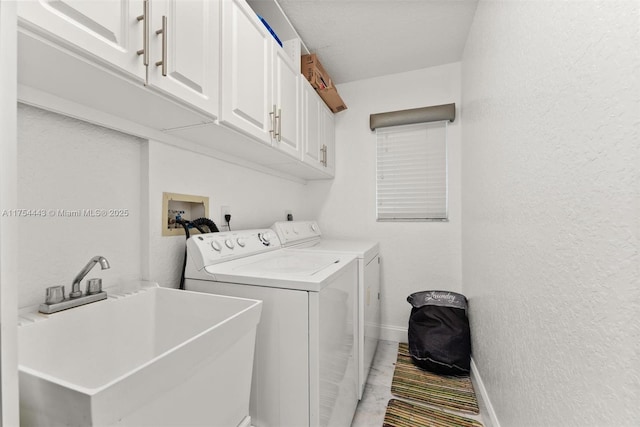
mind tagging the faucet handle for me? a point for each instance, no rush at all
(94, 286)
(55, 294)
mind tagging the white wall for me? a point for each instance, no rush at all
(551, 209)
(257, 200)
(415, 255)
(65, 163)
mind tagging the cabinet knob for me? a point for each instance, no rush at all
(163, 31)
(145, 33)
(273, 115)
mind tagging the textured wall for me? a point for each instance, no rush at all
(256, 200)
(415, 255)
(551, 209)
(67, 164)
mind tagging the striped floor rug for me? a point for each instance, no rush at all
(403, 414)
(418, 385)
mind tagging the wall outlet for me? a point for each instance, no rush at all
(224, 210)
(288, 215)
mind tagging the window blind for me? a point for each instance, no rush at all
(411, 172)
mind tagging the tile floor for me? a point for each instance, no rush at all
(377, 391)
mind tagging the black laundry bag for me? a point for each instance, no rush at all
(439, 334)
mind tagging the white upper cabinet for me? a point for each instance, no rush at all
(202, 72)
(318, 131)
(180, 36)
(108, 30)
(286, 89)
(311, 126)
(328, 138)
(246, 72)
(185, 51)
(260, 83)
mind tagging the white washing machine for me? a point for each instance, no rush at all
(305, 367)
(306, 236)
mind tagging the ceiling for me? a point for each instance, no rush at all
(359, 39)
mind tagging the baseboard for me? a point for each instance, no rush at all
(393, 333)
(489, 417)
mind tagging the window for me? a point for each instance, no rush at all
(411, 172)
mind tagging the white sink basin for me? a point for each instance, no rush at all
(157, 357)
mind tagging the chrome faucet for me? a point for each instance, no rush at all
(56, 300)
(75, 287)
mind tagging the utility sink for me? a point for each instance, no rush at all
(155, 357)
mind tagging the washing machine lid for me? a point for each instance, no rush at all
(309, 271)
(290, 263)
(362, 249)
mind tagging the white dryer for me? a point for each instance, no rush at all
(305, 367)
(306, 236)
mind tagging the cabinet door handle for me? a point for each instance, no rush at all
(279, 122)
(145, 33)
(163, 31)
(273, 122)
(324, 155)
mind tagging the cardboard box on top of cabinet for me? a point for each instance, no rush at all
(313, 70)
(332, 99)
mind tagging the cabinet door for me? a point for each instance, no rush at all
(246, 72)
(286, 83)
(189, 49)
(311, 134)
(105, 30)
(369, 318)
(318, 131)
(328, 138)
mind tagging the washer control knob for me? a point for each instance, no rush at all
(265, 238)
(229, 243)
(216, 246)
(241, 242)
